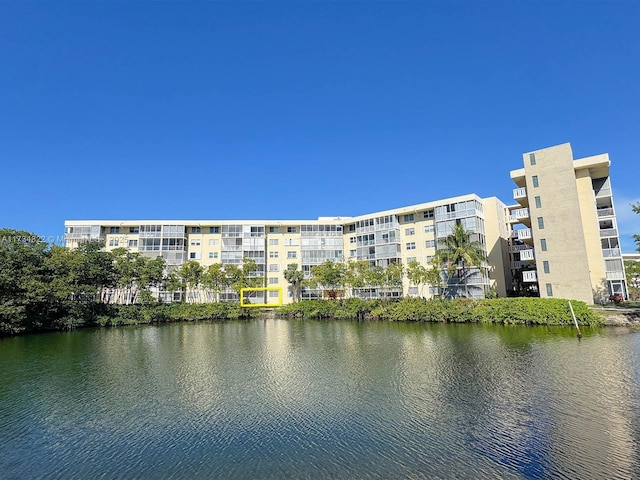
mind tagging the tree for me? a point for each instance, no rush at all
(636, 209)
(417, 275)
(215, 280)
(393, 274)
(330, 276)
(295, 278)
(632, 270)
(457, 252)
(191, 275)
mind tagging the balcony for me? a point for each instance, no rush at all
(523, 234)
(529, 276)
(526, 255)
(611, 252)
(605, 212)
(615, 275)
(517, 265)
(518, 248)
(519, 214)
(608, 232)
(519, 193)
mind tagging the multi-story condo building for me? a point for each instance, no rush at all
(560, 240)
(401, 235)
(565, 239)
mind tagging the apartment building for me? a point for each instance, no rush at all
(565, 240)
(559, 240)
(402, 235)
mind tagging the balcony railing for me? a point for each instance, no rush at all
(615, 275)
(529, 276)
(605, 212)
(519, 193)
(517, 215)
(527, 255)
(516, 265)
(524, 234)
(611, 252)
(609, 232)
(517, 248)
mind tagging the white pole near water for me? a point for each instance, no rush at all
(574, 320)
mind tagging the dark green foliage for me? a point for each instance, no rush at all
(514, 311)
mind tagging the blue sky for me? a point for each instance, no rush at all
(294, 110)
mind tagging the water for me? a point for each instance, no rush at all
(294, 399)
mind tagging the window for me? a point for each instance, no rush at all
(532, 159)
(214, 242)
(273, 294)
(292, 242)
(273, 254)
(534, 179)
(292, 254)
(549, 289)
(411, 246)
(114, 242)
(430, 243)
(195, 243)
(408, 218)
(538, 202)
(273, 241)
(114, 230)
(543, 244)
(273, 280)
(545, 266)
(196, 230)
(411, 259)
(410, 231)
(213, 254)
(428, 214)
(274, 229)
(273, 267)
(133, 243)
(429, 258)
(194, 256)
(429, 228)
(413, 290)
(352, 253)
(214, 229)
(541, 223)
(352, 239)
(134, 229)
(292, 229)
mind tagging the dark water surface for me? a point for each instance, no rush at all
(294, 399)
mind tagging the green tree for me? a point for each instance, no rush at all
(636, 209)
(191, 275)
(330, 276)
(214, 279)
(393, 274)
(632, 270)
(458, 252)
(417, 275)
(295, 278)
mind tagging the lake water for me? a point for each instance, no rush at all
(307, 399)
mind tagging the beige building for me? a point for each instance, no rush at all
(400, 235)
(565, 239)
(560, 240)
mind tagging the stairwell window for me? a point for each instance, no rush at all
(534, 179)
(538, 202)
(532, 159)
(540, 223)
(543, 244)
(545, 266)
(549, 290)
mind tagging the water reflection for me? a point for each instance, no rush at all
(274, 398)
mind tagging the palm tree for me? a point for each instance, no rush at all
(458, 251)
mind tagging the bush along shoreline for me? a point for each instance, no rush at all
(506, 311)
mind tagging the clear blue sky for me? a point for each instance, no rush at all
(294, 110)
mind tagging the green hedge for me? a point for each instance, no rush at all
(514, 311)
